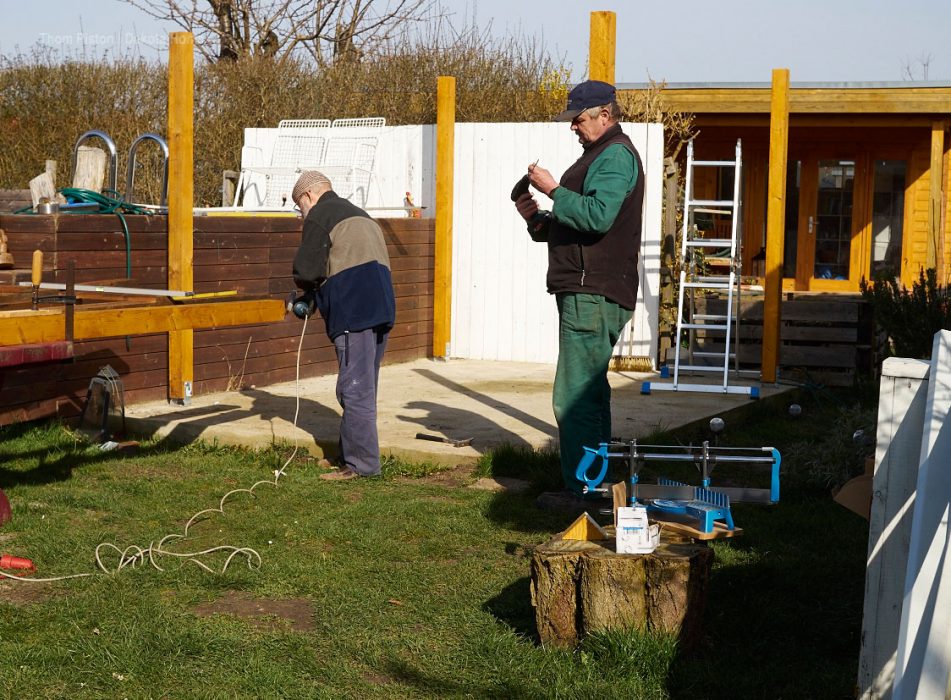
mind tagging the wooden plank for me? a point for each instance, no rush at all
(901, 408)
(903, 102)
(15, 355)
(775, 221)
(935, 178)
(90, 169)
(181, 168)
(923, 659)
(445, 147)
(42, 326)
(601, 50)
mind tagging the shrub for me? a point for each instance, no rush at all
(909, 318)
(45, 104)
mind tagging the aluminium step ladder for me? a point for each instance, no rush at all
(695, 249)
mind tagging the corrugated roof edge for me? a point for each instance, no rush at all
(809, 86)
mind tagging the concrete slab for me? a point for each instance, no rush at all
(494, 403)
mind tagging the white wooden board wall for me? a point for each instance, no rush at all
(923, 664)
(500, 309)
(901, 411)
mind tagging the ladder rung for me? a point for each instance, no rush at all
(710, 278)
(720, 163)
(711, 317)
(710, 353)
(709, 243)
(710, 203)
(707, 326)
(699, 368)
(707, 285)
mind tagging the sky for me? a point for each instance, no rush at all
(680, 42)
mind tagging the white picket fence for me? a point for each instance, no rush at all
(906, 648)
(500, 309)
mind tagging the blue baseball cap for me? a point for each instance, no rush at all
(590, 93)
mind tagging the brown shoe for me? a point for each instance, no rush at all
(339, 475)
(325, 463)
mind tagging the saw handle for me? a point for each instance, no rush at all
(587, 459)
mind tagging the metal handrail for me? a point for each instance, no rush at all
(113, 157)
(130, 173)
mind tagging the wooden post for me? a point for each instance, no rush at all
(601, 46)
(775, 222)
(935, 179)
(181, 78)
(445, 144)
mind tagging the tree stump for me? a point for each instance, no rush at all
(582, 587)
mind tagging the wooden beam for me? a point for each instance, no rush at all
(445, 145)
(775, 222)
(25, 326)
(727, 100)
(601, 46)
(935, 180)
(181, 81)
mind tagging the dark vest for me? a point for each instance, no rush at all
(592, 263)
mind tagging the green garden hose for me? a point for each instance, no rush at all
(107, 205)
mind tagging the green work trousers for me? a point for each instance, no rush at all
(588, 328)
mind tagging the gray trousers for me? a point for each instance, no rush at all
(358, 357)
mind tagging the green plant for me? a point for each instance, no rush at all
(909, 318)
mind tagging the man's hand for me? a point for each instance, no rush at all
(541, 179)
(527, 206)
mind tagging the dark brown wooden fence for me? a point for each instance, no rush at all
(824, 338)
(249, 254)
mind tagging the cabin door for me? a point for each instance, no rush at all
(845, 219)
(826, 251)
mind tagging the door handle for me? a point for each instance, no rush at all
(810, 224)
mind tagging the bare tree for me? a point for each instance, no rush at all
(910, 71)
(327, 30)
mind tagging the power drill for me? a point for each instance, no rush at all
(302, 306)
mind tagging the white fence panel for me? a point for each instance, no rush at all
(500, 309)
(901, 410)
(923, 664)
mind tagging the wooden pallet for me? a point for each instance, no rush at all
(824, 338)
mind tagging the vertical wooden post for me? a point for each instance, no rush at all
(775, 222)
(935, 250)
(181, 79)
(445, 144)
(601, 46)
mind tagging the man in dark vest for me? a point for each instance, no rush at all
(593, 233)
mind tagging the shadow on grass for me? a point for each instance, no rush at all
(513, 607)
(784, 607)
(70, 450)
(405, 674)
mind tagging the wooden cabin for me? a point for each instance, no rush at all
(866, 182)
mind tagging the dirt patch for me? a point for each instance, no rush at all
(501, 484)
(295, 614)
(456, 477)
(20, 594)
(377, 679)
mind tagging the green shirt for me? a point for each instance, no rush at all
(609, 180)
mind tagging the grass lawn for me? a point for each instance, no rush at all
(411, 585)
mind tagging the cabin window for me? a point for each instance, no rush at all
(888, 215)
